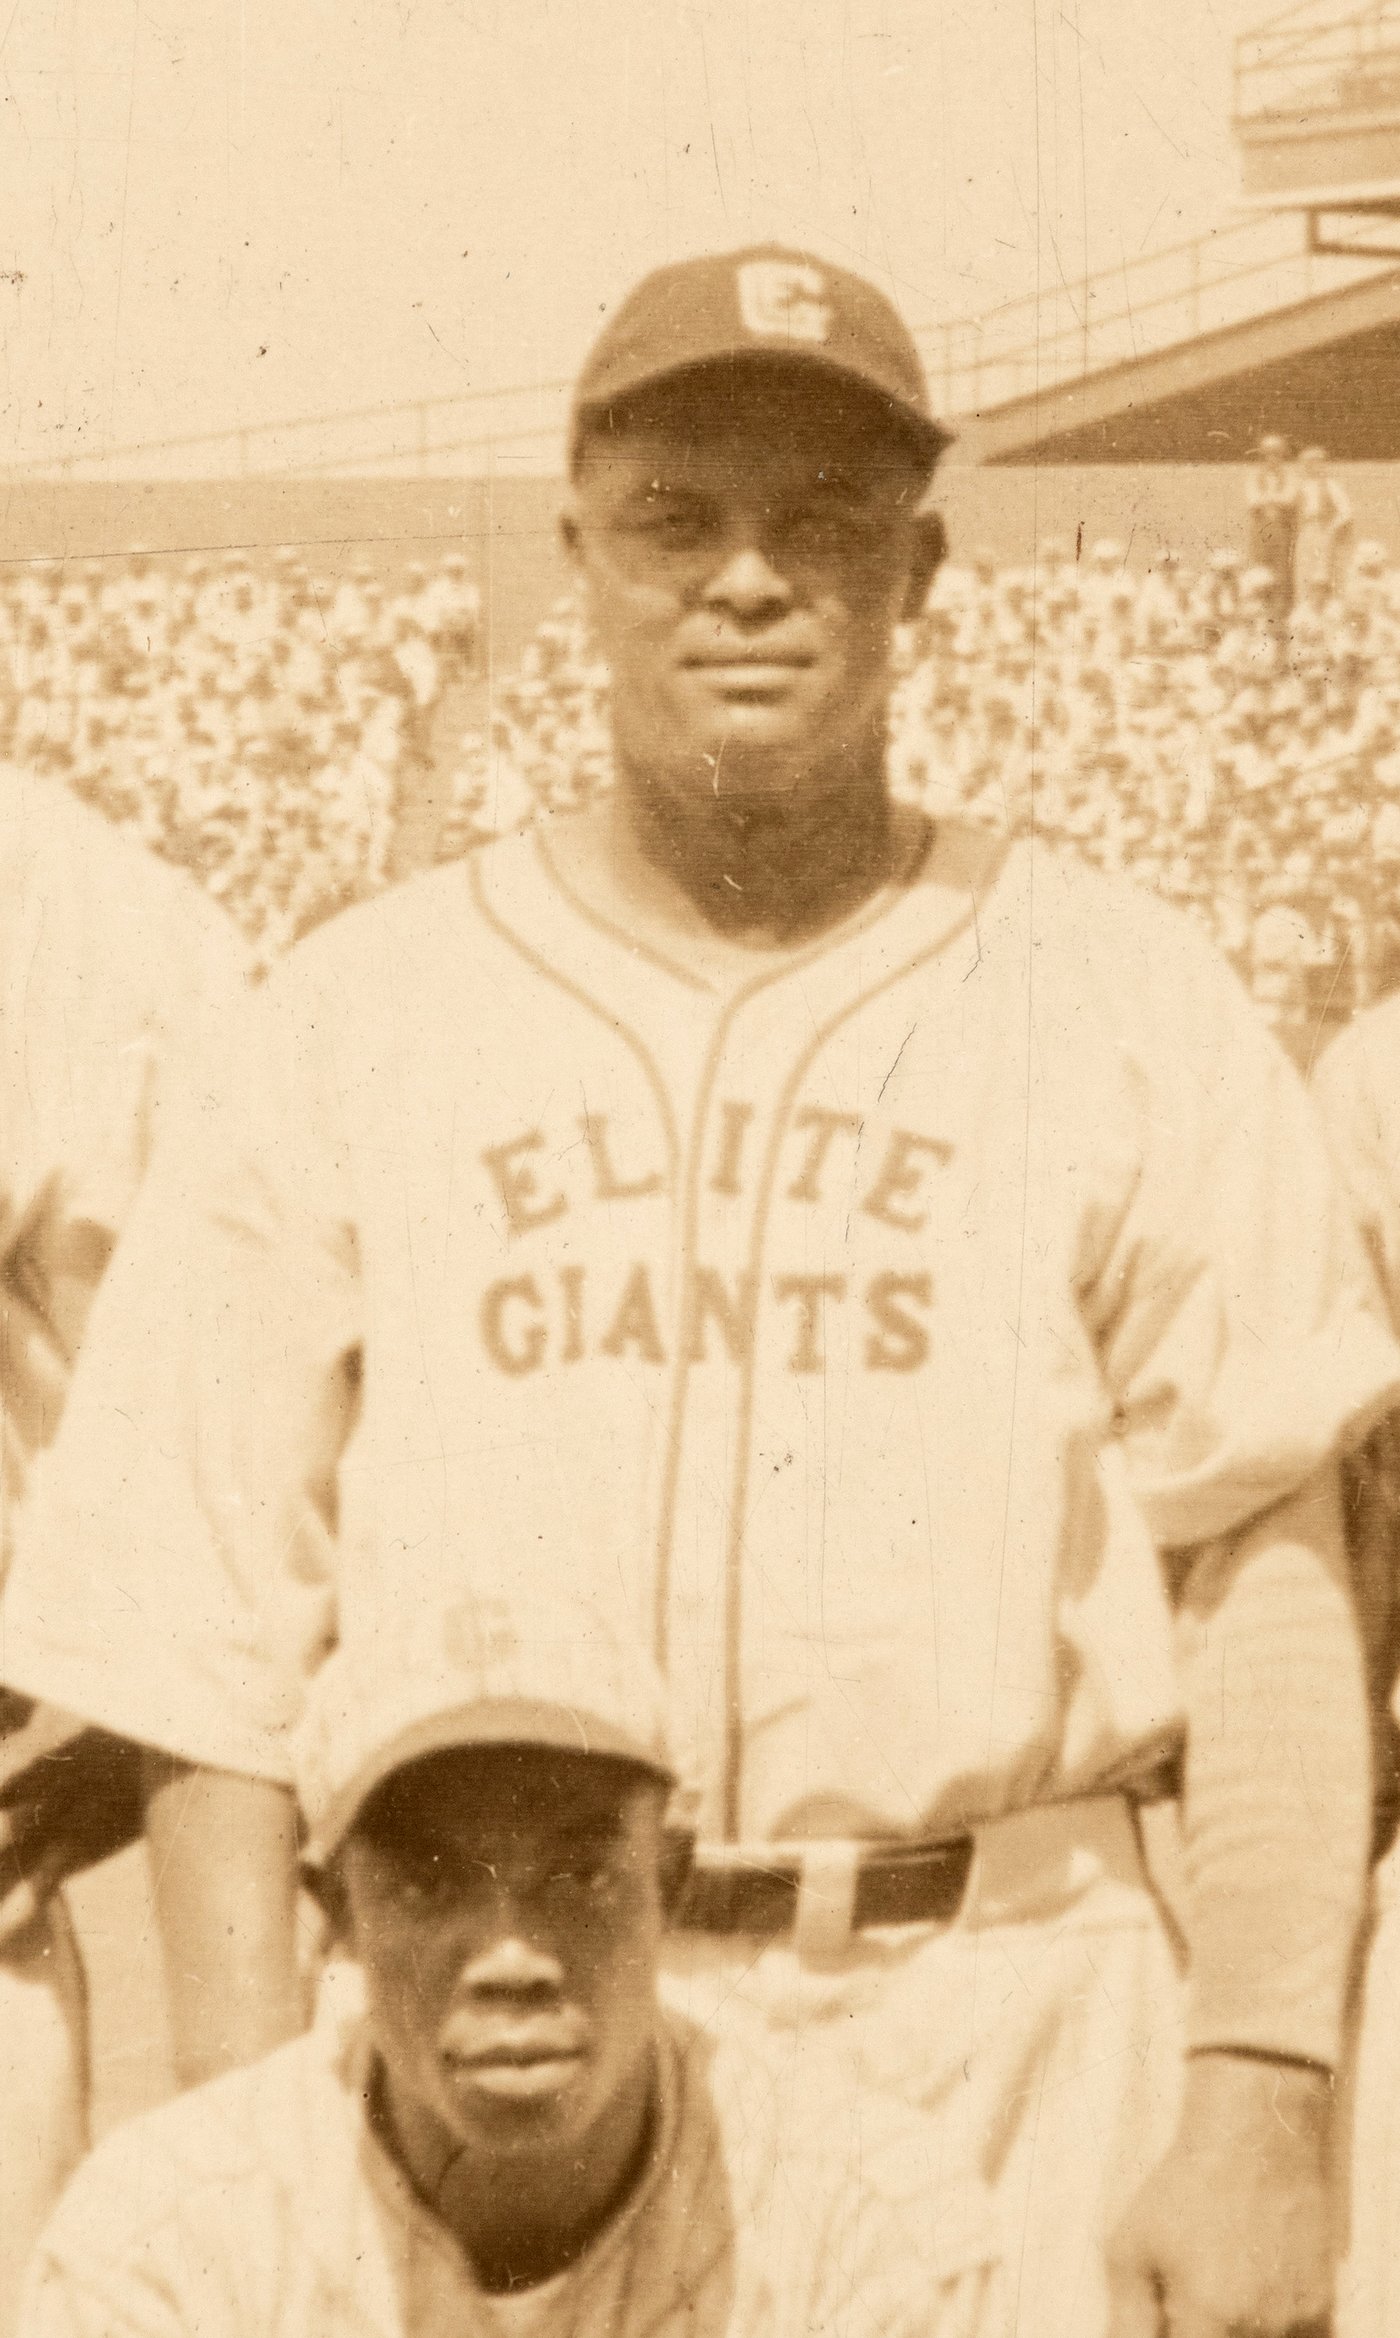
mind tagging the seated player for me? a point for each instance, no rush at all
(498, 2130)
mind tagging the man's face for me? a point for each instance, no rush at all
(748, 543)
(505, 1905)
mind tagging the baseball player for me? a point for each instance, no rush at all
(109, 964)
(499, 2126)
(911, 1252)
(1357, 1085)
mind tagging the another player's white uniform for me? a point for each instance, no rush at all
(265, 2206)
(873, 1319)
(1358, 1091)
(110, 964)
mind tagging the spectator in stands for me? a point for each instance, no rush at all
(1271, 496)
(1324, 524)
(356, 604)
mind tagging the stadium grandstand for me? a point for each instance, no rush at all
(304, 658)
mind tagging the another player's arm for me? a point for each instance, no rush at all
(175, 1579)
(1360, 1113)
(169, 971)
(1234, 2227)
(1236, 1332)
(223, 1841)
(278, 1400)
(223, 1854)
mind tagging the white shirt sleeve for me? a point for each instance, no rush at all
(1231, 1308)
(172, 1574)
(111, 966)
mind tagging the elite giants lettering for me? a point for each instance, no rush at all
(560, 1313)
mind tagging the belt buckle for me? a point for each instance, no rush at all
(824, 1918)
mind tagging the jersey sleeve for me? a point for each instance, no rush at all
(114, 965)
(1234, 1318)
(112, 968)
(172, 1572)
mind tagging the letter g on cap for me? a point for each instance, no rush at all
(784, 300)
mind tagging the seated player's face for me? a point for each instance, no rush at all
(505, 1906)
(748, 541)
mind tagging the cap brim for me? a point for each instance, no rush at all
(503, 1721)
(929, 436)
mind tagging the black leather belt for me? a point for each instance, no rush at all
(724, 1889)
(922, 1884)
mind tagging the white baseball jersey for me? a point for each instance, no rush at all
(1357, 1089)
(111, 966)
(864, 1324)
(264, 2206)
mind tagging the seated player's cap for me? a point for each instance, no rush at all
(467, 1670)
(764, 302)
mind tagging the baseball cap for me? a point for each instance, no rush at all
(765, 301)
(471, 1669)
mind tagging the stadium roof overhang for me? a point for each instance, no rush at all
(1324, 370)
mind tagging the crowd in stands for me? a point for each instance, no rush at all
(260, 725)
(255, 723)
(1180, 728)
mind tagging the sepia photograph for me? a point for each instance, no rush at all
(699, 1169)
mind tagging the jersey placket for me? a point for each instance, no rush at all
(767, 1043)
